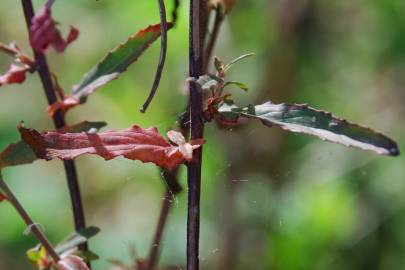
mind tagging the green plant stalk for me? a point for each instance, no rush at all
(27, 219)
(198, 26)
(59, 122)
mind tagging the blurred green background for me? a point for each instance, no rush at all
(270, 200)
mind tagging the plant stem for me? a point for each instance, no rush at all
(198, 23)
(219, 17)
(59, 121)
(172, 188)
(27, 219)
(164, 213)
(162, 58)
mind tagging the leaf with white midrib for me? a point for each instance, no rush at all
(301, 118)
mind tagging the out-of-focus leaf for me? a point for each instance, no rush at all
(176, 5)
(21, 153)
(88, 255)
(242, 86)
(43, 32)
(84, 126)
(15, 74)
(76, 239)
(17, 154)
(2, 197)
(111, 66)
(134, 143)
(304, 119)
(207, 82)
(39, 257)
(72, 262)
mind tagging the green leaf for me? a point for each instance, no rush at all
(236, 60)
(76, 239)
(242, 86)
(88, 255)
(20, 153)
(304, 119)
(116, 61)
(39, 256)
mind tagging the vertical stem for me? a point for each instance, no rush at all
(27, 219)
(198, 23)
(59, 121)
(172, 188)
(219, 17)
(154, 249)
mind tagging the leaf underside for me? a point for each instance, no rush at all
(76, 239)
(134, 143)
(20, 153)
(301, 118)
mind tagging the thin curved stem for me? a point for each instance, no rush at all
(27, 219)
(162, 58)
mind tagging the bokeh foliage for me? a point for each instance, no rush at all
(270, 200)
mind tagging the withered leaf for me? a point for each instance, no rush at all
(20, 153)
(134, 143)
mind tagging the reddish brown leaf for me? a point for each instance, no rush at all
(15, 74)
(64, 105)
(43, 32)
(2, 197)
(134, 143)
(72, 262)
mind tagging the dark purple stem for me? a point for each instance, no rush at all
(198, 23)
(59, 121)
(162, 58)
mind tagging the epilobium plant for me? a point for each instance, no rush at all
(209, 100)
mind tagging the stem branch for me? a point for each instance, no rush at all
(172, 188)
(27, 219)
(219, 17)
(59, 121)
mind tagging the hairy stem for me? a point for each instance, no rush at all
(27, 219)
(219, 17)
(59, 121)
(162, 58)
(198, 23)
